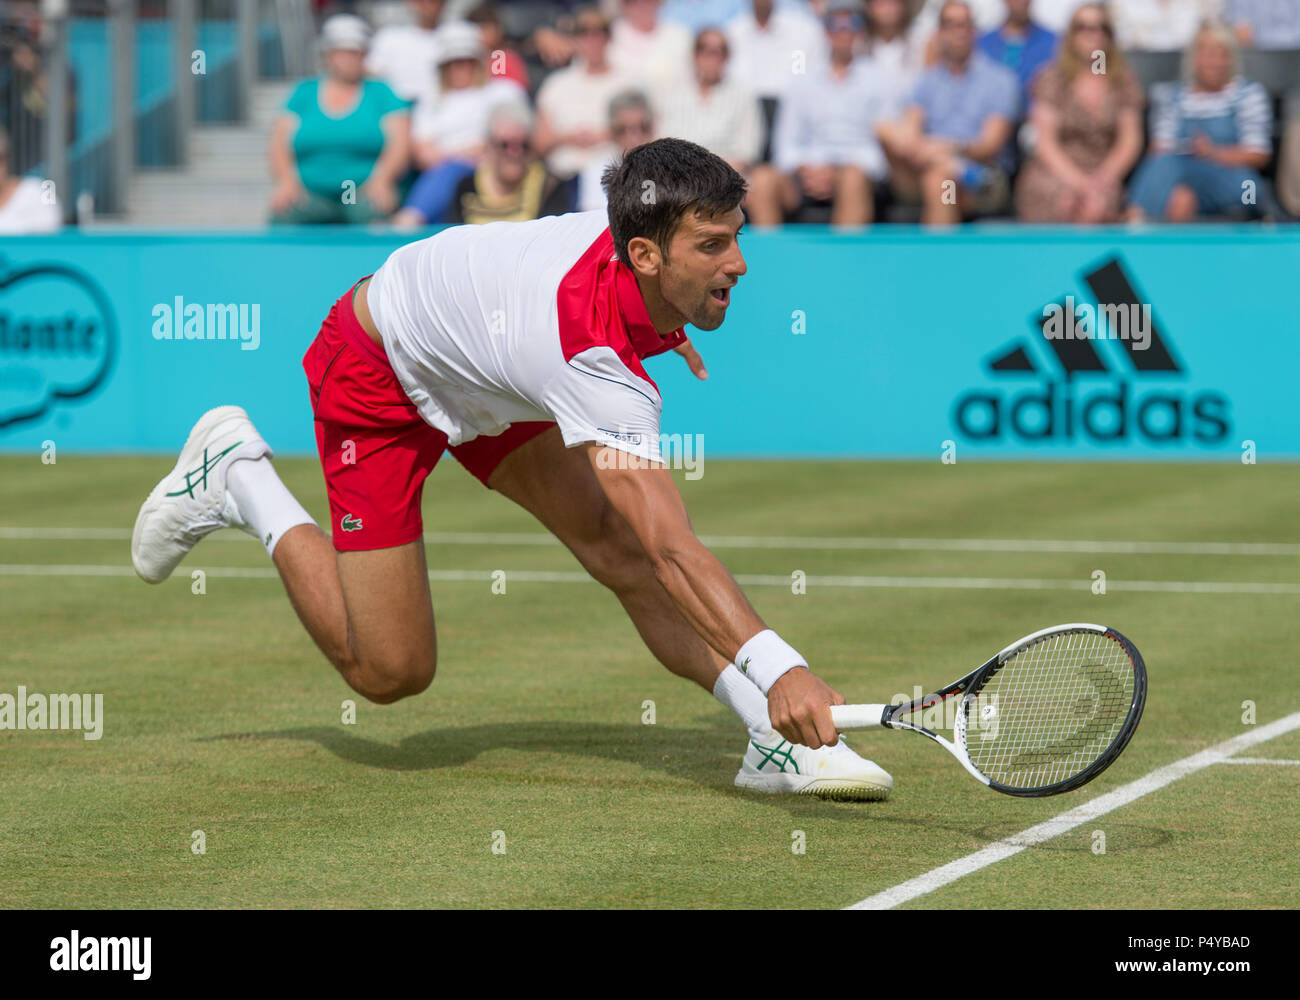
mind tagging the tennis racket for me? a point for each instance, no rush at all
(1047, 714)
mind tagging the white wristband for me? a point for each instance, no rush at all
(765, 657)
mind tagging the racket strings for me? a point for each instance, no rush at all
(1052, 710)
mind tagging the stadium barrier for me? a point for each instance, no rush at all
(986, 341)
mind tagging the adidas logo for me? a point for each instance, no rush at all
(1069, 406)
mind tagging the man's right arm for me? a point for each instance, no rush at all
(644, 493)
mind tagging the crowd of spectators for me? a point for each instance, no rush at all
(840, 111)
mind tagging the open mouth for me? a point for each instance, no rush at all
(721, 295)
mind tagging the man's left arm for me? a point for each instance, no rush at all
(693, 360)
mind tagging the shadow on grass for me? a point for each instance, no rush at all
(705, 756)
(695, 752)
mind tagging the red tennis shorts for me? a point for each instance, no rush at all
(374, 447)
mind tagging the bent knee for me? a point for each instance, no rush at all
(386, 681)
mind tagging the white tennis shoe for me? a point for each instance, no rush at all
(191, 502)
(776, 765)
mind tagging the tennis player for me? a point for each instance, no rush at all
(519, 347)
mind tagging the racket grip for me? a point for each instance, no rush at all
(858, 716)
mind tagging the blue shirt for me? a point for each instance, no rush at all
(1023, 56)
(955, 107)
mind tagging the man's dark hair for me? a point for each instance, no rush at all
(653, 186)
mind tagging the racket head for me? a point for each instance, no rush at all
(1052, 711)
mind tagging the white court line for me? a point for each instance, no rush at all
(745, 579)
(1014, 545)
(946, 874)
(1257, 760)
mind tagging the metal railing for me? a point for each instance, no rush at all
(134, 78)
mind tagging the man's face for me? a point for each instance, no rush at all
(592, 39)
(886, 14)
(956, 33)
(641, 13)
(630, 128)
(509, 151)
(710, 58)
(842, 34)
(703, 262)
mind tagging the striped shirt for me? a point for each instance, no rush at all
(1240, 114)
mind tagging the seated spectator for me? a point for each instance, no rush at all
(1019, 44)
(1211, 136)
(405, 56)
(510, 183)
(772, 48)
(1264, 24)
(951, 151)
(719, 115)
(449, 138)
(573, 103)
(654, 52)
(890, 48)
(502, 60)
(342, 144)
(1088, 127)
(825, 151)
(27, 204)
(631, 123)
(1161, 25)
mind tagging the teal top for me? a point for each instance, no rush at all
(333, 149)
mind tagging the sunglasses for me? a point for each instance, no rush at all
(625, 129)
(1083, 26)
(510, 145)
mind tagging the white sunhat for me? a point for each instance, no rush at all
(344, 31)
(459, 40)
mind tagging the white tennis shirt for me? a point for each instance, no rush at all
(485, 325)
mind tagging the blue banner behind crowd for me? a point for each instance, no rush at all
(1171, 343)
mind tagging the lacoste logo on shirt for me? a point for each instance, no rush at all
(621, 435)
(350, 523)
